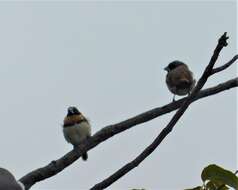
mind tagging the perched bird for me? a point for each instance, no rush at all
(179, 78)
(76, 128)
(8, 181)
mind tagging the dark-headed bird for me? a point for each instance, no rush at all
(179, 78)
(76, 128)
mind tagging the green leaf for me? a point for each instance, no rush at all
(214, 185)
(195, 188)
(218, 174)
(223, 188)
(211, 186)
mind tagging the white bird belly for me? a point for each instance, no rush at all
(77, 133)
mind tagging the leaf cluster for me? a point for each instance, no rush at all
(217, 178)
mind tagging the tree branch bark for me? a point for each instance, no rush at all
(107, 132)
(134, 163)
(223, 67)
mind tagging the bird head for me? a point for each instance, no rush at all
(173, 65)
(73, 111)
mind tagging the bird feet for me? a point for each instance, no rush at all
(173, 98)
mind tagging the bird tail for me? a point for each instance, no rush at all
(85, 156)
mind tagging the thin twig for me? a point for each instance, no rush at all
(225, 66)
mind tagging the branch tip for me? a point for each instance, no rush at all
(223, 40)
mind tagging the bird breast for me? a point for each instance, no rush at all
(76, 133)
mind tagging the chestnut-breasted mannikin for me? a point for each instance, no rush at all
(76, 128)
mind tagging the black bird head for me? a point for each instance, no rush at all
(73, 111)
(173, 65)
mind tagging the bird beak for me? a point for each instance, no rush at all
(166, 69)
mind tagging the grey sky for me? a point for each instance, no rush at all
(107, 59)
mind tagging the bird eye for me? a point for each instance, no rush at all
(76, 111)
(71, 110)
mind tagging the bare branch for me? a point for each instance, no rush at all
(107, 132)
(223, 67)
(134, 163)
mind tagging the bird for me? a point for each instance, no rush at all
(179, 78)
(8, 181)
(76, 128)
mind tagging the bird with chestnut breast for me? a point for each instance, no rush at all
(76, 128)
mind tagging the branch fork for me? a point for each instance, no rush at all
(105, 133)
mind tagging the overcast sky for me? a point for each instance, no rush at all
(107, 59)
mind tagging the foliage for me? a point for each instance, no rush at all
(217, 178)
